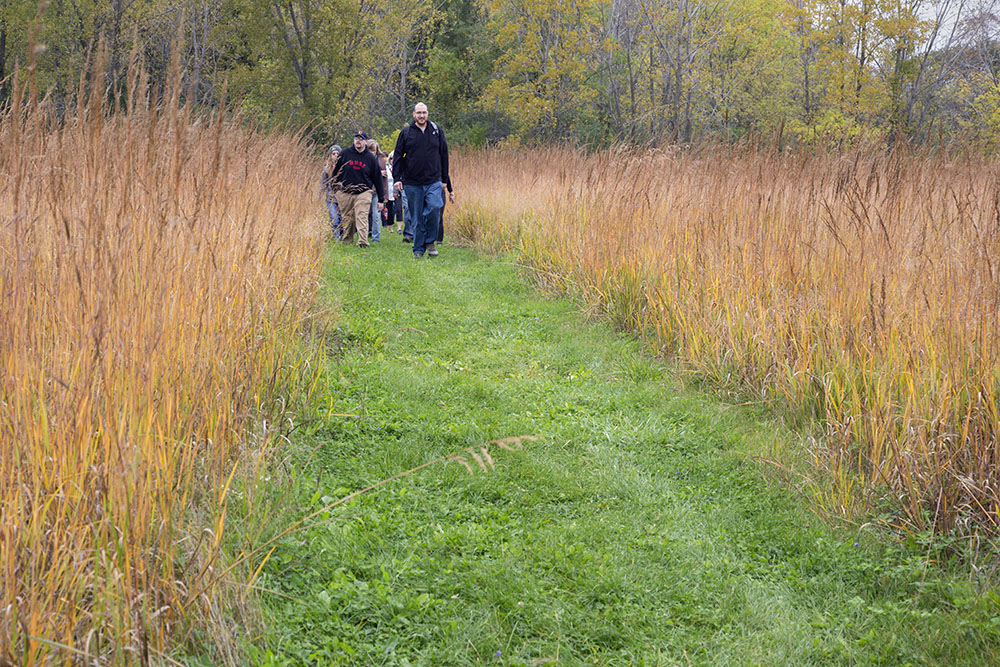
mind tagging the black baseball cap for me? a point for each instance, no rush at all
(361, 134)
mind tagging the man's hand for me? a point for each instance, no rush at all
(397, 186)
(380, 207)
(451, 197)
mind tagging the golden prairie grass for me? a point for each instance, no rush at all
(156, 266)
(860, 290)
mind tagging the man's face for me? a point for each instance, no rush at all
(360, 144)
(420, 114)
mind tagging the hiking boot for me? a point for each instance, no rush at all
(431, 250)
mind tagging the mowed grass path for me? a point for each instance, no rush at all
(633, 531)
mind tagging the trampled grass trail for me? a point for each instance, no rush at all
(634, 530)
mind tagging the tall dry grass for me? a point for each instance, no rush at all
(157, 264)
(862, 290)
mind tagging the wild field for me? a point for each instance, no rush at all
(860, 291)
(156, 266)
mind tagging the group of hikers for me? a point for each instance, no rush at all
(367, 189)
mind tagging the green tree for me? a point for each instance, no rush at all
(540, 80)
(747, 79)
(329, 65)
(457, 68)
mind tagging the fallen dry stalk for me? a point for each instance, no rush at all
(480, 455)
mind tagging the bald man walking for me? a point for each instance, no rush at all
(420, 167)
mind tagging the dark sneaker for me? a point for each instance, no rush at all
(431, 250)
(407, 238)
(418, 255)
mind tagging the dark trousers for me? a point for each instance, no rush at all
(440, 235)
(390, 204)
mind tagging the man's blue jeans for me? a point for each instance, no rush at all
(375, 220)
(424, 202)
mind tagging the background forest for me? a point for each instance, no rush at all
(591, 71)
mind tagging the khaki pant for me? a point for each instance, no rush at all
(354, 211)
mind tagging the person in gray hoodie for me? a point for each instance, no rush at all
(328, 187)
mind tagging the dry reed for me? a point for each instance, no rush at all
(862, 290)
(157, 265)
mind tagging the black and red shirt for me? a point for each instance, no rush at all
(358, 171)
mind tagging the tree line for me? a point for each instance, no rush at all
(589, 71)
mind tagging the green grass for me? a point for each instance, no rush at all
(633, 531)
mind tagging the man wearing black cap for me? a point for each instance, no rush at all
(358, 174)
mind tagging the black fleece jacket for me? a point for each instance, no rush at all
(421, 158)
(358, 171)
